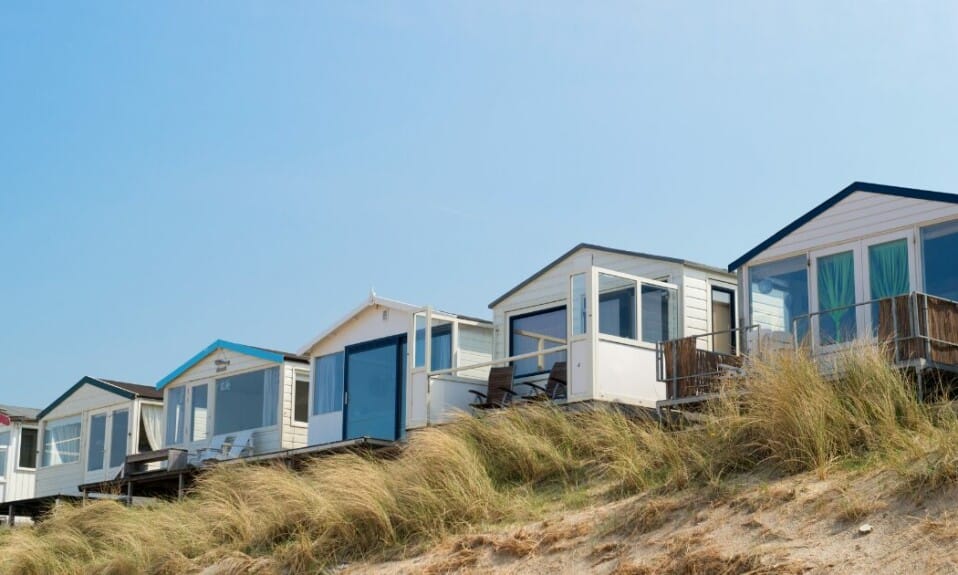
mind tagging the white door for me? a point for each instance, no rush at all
(108, 440)
(837, 286)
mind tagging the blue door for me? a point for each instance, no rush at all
(375, 389)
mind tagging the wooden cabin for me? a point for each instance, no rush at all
(371, 370)
(228, 388)
(603, 311)
(872, 263)
(18, 452)
(86, 434)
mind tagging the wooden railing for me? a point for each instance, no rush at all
(690, 370)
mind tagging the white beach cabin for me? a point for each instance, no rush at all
(603, 311)
(370, 370)
(18, 452)
(873, 262)
(230, 390)
(86, 434)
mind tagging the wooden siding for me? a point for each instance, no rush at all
(475, 346)
(293, 433)
(860, 215)
(17, 483)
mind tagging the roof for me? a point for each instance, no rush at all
(20, 413)
(371, 301)
(121, 388)
(584, 246)
(260, 352)
(849, 190)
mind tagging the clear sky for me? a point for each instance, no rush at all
(176, 172)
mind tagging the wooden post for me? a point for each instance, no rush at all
(179, 487)
(129, 492)
(11, 515)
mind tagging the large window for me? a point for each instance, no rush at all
(301, 396)
(778, 293)
(28, 448)
(119, 437)
(441, 343)
(616, 306)
(660, 316)
(4, 447)
(534, 332)
(246, 401)
(328, 383)
(61, 441)
(580, 306)
(939, 244)
(199, 418)
(175, 415)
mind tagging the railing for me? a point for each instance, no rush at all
(914, 327)
(689, 369)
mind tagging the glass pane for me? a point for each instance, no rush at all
(301, 397)
(4, 445)
(579, 305)
(119, 437)
(441, 345)
(616, 306)
(28, 448)
(97, 442)
(246, 401)
(328, 384)
(659, 313)
(175, 420)
(939, 245)
(778, 293)
(199, 424)
(836, 297)
(535, 332)
(373, 386)
(61, 441)
(420, 345)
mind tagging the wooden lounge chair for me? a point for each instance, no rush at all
(556, 385)
(499, 393)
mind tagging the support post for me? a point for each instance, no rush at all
(129, 492)
(11, 516)
(179, 487)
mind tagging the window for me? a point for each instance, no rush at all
(616, 306)
(534, 332)
(97, 443)
(175, 415)
(61, 441)
(441, 343)
(887, 274)
(301, 396)
(836, 297)
(246, 401)
(723, 320)
(778, 293)
(939, 244)
(660, 318)
(199, 422)
(328, 383)
(28, 448)
(4, 446)
(580, 306)
(119, 437)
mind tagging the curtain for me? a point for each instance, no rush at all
(441, 350)
(270, 396)
(836, 288)
(328, 384)
(61, 443)
(175, 404)
(888, 269)
(152, 416)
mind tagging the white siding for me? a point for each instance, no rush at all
(17, 483)
(475, 346)
(367, 325)
(294, 433)
(860, 215)
(695, 315)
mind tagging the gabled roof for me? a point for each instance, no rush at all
(260, 352)
(851, 189)
(16, 413)
(121, 388)
(371, 301)
(584, 246)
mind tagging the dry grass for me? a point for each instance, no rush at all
(783, 418)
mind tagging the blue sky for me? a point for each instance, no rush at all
(173, 173)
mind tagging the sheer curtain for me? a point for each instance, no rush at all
(888, 269)
(61, 443)
(270, 396)
(836, 289)
(152, 416)
(328, 384)
(175, 420)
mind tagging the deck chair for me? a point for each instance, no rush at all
(555, 388)
(499, 392)
(228, 446)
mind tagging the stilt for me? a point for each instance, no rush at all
(11, 515)
(179, 487)
(129, 492)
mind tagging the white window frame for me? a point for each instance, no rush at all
(292, 412)
(67, 420)
(36, 448)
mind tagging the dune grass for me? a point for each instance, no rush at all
(784, 417)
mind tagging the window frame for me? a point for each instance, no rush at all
(5, 451)
(295, 395)
(279, 392)
(36, 444)
(62, 421)
(538, 310)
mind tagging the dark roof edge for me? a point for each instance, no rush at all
(847, 191)
(99, 383)
(589, 246)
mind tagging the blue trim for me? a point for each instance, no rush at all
(221, 344)
(87, 380)
(852, 188)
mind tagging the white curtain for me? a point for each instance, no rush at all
(270, 396)
(175, 405)
(328, 384)
(61, 442)
(152, 416)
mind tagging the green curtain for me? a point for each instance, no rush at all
(836, 288)
(888, 269)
